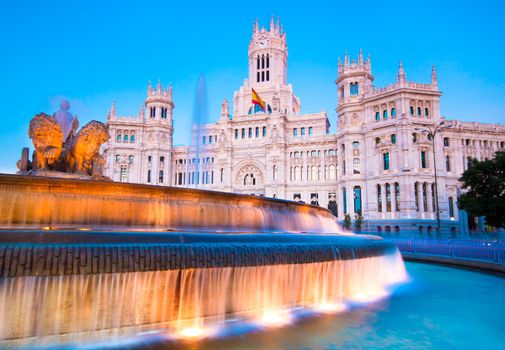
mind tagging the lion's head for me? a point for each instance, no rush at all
(90, 138)
(47, 137)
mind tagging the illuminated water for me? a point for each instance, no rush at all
(441, 308)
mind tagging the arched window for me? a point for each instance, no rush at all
(433, 199)
(236, 134)
(425, 196)
(397, 196)
(125, 138)
(446, 141)
(451, 207)
(313, 153)
(300, 174)
(264, 131)
(257, 132)
(416, 196)
(412, 110)
(262, 61)
(377, 140)
(310, 130)
(333, 172)
(355, 145)
(379, 199)
(160, 177)
(393, 112)
(119, 136)
(268, 61)
(250, 132)
(221, 175)
(388, 197)
(314, 173)
(118, 157)
(243, 133)
(295, 132)
(393, 139)
(302, 131)
(385, 114)
(295, 175)
(377, 116)
(356, 165)
(357, 199)
(426, 112)
(131, 158)
(274, 172)
(419, 111)
(344, 197)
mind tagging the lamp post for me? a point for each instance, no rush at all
(432, 132)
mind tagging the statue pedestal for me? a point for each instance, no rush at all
(62, 175)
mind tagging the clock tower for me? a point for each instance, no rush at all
(268, 56)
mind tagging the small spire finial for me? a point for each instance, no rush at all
(113, 109)
(360, 57)
(434, 75)
(400, 78)
(272, 23)
(149, 88)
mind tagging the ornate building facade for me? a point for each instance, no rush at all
(379, 163)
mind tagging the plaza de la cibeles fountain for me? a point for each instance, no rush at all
(84, 259)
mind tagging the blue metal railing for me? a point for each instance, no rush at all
(466, 249)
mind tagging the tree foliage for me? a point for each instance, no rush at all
(484, 183)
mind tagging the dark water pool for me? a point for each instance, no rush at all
(441, 308)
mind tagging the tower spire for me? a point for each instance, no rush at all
(158, 87)
(149, 88)
(400, 78)
(272, 23)
(434, 75)
(360, 57)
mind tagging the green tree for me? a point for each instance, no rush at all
(484, 183)
(347, 221)
(358, 222)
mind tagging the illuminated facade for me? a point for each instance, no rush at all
(379, 162)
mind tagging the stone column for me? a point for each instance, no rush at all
(429, 199)
(420, 204)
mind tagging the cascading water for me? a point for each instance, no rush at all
(93, 307)
(90, 284)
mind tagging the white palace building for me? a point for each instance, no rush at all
(379, 163)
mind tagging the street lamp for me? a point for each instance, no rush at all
(432, 132)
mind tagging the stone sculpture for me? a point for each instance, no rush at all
(62, 151)
(47, 139)
(84, 149)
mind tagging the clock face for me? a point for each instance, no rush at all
(262, 44)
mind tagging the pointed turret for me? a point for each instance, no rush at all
(272, 27)
(434, 75)
(360, 57)
(400, 78)
(149, 88)
(158, 87)
(113, 109)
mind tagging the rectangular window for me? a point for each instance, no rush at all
(264, 131)
(257, 132)
(397, 196)
(203, 139)
(262, 76)
(379, 199)
(310, 130)
(258, 77)
(451, 207)
(268, 75)
(250, 132)
(149, 176)
(423, 159)
(385, 157)
(236, 134)
(448, 163)
(210, 139)
(243, 133)
(411, 110)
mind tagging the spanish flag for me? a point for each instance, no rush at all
(256, 99)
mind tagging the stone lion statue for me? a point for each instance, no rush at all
(47, 137)
(84, 149)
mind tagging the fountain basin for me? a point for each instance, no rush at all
(88, 286)
(37, 202)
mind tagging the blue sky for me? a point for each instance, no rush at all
(96, 52)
